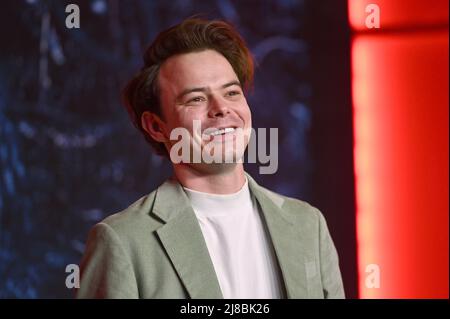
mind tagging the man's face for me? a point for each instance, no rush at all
(203, 86)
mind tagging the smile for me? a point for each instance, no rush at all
(221, 131)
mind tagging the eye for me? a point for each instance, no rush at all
(233, 93)
(196, 99)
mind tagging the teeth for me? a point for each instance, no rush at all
(222, 131)
(229, 130)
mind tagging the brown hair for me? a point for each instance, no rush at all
(192, 35)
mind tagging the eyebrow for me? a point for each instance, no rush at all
(204, 89)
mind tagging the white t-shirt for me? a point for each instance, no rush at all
(240, 249)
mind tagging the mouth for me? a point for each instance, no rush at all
(211, 132)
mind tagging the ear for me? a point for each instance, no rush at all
(154, 126)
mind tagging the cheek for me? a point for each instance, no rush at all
(246, 114)
(186, 120)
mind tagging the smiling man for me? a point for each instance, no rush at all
(210, 231)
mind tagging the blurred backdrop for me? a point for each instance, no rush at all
(69, 155)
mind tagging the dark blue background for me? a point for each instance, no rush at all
(69, 155)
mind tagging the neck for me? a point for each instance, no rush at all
(221, 179)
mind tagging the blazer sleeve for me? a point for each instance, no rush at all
(106, 270)
(333, 287)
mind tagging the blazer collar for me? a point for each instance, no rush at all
(286, 240)
(183, 241)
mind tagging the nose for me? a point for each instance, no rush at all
(217, 108)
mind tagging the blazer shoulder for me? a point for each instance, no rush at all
(295, 208)
(134, 218)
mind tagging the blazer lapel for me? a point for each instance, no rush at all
(183, 241)
(285, 239)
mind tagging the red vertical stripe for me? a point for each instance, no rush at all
(401, 106)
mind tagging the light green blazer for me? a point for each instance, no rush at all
(155, 249)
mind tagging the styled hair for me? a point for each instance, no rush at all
(192, 35)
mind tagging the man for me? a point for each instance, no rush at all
(210, 231)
